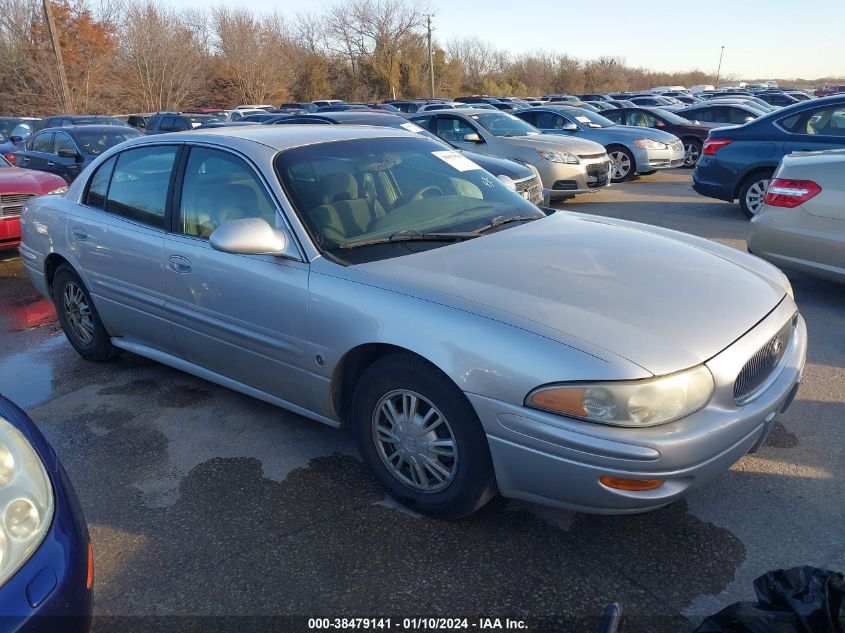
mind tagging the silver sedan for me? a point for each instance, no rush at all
(373, 279)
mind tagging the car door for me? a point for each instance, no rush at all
(37, 152)
(240, 316)
(66, 167)
(117, 235)
(815, 129)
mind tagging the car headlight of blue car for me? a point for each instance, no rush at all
(26, 500)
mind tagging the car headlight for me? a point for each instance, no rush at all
(58, 191)
(631, 402)
(26, 500)
(558, 157)
(647, 143)
(788, 288)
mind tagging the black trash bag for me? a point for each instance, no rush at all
(797, 600)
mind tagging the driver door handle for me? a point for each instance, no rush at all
(179, 264)
(50, 163)
(78, 234)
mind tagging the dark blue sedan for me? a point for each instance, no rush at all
(738, 162)
(46, 565)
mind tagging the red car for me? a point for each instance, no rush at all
(16, 186)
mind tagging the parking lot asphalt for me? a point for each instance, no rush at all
(202, 501)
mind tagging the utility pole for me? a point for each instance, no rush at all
(54, 38)
(430, 58)
(719, 69)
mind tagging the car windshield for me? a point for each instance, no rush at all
(503, 124)
(670, 117)
(590, 119)
(95, 143)
(391, 191)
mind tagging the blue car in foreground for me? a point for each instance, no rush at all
(738, 162)
(46, 564)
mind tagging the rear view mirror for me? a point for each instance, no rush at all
(252, 236)
(473, 137)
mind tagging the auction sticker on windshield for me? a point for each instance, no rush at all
(461, 163)
(411, 127)
(583, 119)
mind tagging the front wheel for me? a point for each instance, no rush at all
(622, 165)
(692, 151)
(752, 193)
(421, 438)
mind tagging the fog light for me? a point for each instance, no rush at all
(638, 485)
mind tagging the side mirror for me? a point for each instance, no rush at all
(659, 124)
(749, 119)
(569, 127)
(16, 139)
(69, 153)
(507, 181)
(252, 236)
(473, 137)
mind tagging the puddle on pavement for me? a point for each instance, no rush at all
(27, 377)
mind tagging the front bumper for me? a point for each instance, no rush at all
(50, 593)
(10, 232)
(564, 180)
(557, 461)
(661, 158)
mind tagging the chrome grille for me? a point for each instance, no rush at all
(592, 156)
(11, 204)
(531, 189)
(760, 366)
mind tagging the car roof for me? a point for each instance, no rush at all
(89, 128)
(282, 137)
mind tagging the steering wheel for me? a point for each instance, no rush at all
(427, 192)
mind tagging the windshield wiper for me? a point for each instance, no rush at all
(499, 220)
(413, 236)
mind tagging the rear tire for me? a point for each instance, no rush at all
(421, 438)
(622, 164)
(752, 192)
(79, 318)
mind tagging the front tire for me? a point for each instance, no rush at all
(622, 164)
(421, 438)
(692, 151)
(79, 318)
(752, 192)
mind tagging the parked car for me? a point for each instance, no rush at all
(67, 151)
(594, 97)
(738, 162)
(237, 115)
(472, 343)
(751, 102)
(829, 91)
(489, 101)
(16, 187)
(692, 135)
(801, 224)
(631, 151)
(600, 106)
(293, 107)
(322, 103)
(526, 180)
(139, 121)
(64, 120)
(566, 166)
(653, 100)
(47, 568)
(343, 107)
(13, 131)
(164, 122)
(720, 113)
(777, 98)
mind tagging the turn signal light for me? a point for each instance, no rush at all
(713, 145)
(637, 485)
(90, 579)
(785, 192)
(10, 158)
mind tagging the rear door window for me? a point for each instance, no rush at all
(139, 186)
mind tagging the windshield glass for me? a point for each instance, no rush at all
(355, 191)
(96, 143)
(503, 124)
(590, 119)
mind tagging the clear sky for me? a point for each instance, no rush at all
(762, 38)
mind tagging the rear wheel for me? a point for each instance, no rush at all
(421, 438)
(692, 151)
(622, 165)
(752, 192)
(79, 318)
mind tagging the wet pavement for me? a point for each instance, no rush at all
(202, 501)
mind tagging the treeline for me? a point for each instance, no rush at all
(122, 56)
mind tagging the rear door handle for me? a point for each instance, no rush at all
(50, 163)
(78, 234)
(179, 264)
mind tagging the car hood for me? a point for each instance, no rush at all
(17, 180)
(633, 133)
(657, 299)
(553, 141)
(499, 166)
